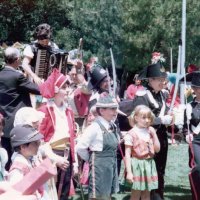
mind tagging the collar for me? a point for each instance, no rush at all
(152, 90)
(9, 67)
(104, 122)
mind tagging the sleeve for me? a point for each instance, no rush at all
(128, 140)
(83, 144)
(15, 176)
(24, 85)
(28, 52)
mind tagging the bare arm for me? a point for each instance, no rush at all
(129, 175)
(27, 68)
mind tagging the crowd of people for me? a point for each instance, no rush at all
(77, 121)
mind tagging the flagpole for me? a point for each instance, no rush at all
(183, 38)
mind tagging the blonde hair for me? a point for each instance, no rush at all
(141, 110)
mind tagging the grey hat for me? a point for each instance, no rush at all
(106, 101)
(23, 134)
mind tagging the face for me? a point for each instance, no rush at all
(31, 149)
(138, 82)
(104, 85)
(197, 92)
(63, 92)
(44, 42)
(73, 75)
(157, 83)
(143, 120)
(109, 114)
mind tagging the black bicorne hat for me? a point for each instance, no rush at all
(194, 78)
(97, 74)
(153, 71)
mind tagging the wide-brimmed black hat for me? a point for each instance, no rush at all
(194, 78)
(97, 74)
(153, 71)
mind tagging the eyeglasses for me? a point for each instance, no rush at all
(161, 80)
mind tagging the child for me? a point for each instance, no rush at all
(141, 143)
(58, 129)
(26, 141)
(3, 152)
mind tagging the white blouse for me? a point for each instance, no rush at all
(92, 139)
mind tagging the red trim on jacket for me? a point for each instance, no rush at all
(47, 127)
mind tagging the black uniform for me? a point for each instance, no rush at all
(194, 149)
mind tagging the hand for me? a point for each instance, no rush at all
(129, 177)
(75, 170)
(166, 119)
(62, 163)
(37, 80)
(189, 138)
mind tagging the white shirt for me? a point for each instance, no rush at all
(142, 133)
(92, 138)
(29, 53)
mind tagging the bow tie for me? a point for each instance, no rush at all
(111, 127)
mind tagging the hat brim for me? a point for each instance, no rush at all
(37, 137)
(91, 86)
(187, 77)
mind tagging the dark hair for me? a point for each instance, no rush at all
(18, 148)
(43, 31)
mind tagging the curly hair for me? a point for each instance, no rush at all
(43, 31)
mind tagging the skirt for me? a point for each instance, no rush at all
(145, 175)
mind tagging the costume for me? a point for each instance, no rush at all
(193, 117)
(156, 102)
(19, 168)
(142, 162)
(102, 145)
(48, 128)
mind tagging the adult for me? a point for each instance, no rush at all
(133, 88)
(192, 120)
(98, 145)
(14, 89)
(42, 34)
(98, 83)
(154, 97)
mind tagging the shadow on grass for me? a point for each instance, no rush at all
(173, 192)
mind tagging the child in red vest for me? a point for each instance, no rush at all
(141, 143)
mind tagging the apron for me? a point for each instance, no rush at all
(103, 176)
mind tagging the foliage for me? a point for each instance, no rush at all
(134, 29)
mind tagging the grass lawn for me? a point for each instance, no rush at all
(177, 182)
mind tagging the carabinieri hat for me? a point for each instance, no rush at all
(194, 78)
(152, 71)
(97, 74)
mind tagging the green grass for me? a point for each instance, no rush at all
(176, 178)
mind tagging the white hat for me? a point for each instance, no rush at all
(27, 115)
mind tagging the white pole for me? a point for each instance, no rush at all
(171, 61)
(183, 38)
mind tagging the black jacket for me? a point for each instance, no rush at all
(14, 94)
